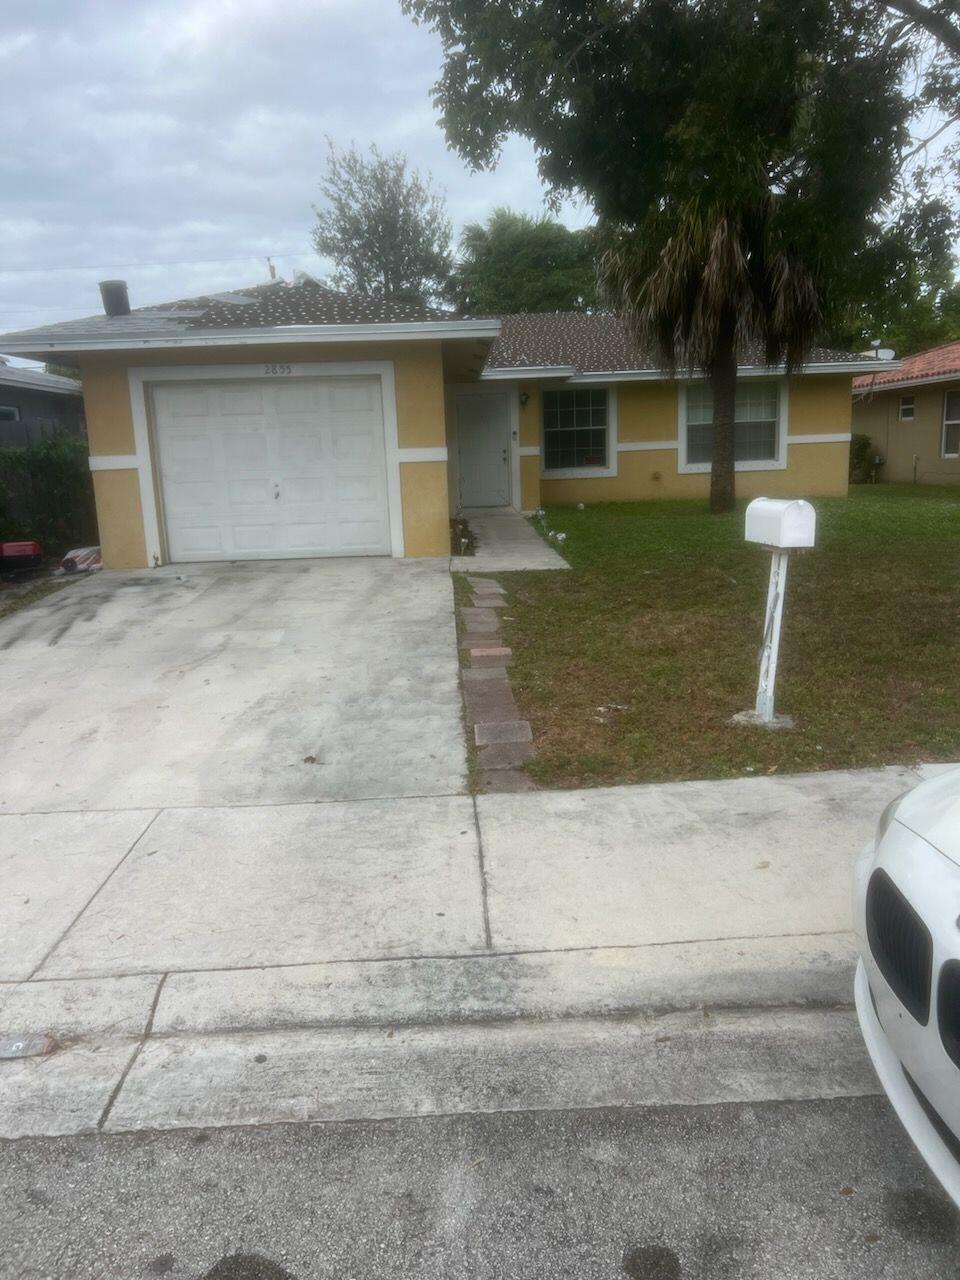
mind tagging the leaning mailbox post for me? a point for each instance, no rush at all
(781, 525)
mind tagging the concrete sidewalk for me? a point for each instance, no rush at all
(373, 958)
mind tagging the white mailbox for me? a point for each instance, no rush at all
(781, 522)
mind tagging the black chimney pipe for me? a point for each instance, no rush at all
(116, 301)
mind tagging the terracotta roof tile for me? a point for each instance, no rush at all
(938, 362)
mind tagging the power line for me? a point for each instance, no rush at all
(179, 262)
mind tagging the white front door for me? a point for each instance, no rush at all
(250, 470)
(483, 436)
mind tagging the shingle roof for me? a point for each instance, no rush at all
(262, 306)
(38, 380)
(938, 362)
(594, 343)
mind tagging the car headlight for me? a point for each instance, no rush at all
(888, 815)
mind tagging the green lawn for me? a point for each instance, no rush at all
(630, 666)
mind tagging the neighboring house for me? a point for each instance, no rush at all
(35, 405)
(912, 416)
(289, 420)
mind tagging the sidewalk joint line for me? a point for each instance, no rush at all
(109, 876)
(147, 1029)
(484, 895)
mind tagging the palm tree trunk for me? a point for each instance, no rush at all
(723, 384)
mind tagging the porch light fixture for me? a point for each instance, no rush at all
(524, 399)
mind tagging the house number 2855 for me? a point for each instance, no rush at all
(277, 370)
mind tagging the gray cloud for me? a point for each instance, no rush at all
(175, 130)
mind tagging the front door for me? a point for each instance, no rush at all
(483, 435)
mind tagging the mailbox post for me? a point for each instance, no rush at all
(782, 526)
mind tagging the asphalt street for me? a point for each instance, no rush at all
(827, 1189)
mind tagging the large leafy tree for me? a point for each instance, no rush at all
(738, 154)
(513, 262)
(383, 226)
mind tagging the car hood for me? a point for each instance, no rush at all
(932, 811)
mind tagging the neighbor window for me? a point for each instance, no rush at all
(756, 418)
(951, 424)
(574, 429)
(9, 413)
(906, 408)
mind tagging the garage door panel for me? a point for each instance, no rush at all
(291, 470)
(240, 401)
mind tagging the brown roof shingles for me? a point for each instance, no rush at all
(594, 342)
(938, 362)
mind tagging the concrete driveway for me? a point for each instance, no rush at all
(233, 684)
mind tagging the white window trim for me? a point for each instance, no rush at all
(943, 429)
(585, 473)
(907, 417)
(779, 463)
(15, 410)
(141, 378)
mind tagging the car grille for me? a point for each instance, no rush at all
(948, 1008)
(901, 944)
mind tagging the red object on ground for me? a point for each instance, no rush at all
(17, 556)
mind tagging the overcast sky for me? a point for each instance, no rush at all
(169, 131)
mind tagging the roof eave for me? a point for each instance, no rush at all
(898, 384)
(390, 331)
(571, 375)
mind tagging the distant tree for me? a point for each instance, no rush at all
(386, 231)
(63, 371)
(513, 262)
(907, 277)
(738, 154)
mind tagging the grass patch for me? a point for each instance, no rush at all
(630, 666)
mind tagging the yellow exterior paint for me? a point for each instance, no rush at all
(899, 443)
(426, 509)
(418, 377)
(120, 517)
(647, 412)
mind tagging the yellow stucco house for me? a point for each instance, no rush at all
(290, 420)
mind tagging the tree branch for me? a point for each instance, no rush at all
(933, 21)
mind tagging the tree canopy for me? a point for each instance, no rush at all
(383, 226)
(739, 155)
(513, 262)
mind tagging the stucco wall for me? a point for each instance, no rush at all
(648, 412)
(418, 375)
(877, 416)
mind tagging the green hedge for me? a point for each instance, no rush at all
(46, 492)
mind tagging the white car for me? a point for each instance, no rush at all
(907, 904)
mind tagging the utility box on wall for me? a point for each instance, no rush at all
(781, 522)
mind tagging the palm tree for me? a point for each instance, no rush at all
(701, 283)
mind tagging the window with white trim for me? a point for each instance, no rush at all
(757, 423)
(951, 424)
(907, 405)
(9, 413)
(575, 429)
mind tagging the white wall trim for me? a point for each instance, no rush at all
(141, 378)
(779, 463)
(646, 446)
(438, 454)
(525, 374)
(830, 437)
(114, 462)
(529, 451)
(588, 473)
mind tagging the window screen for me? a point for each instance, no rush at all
(574, 429)
(756, 423)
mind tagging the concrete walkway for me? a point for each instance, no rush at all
(505, 542)
(411, 956)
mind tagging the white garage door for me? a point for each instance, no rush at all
(266, 470)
